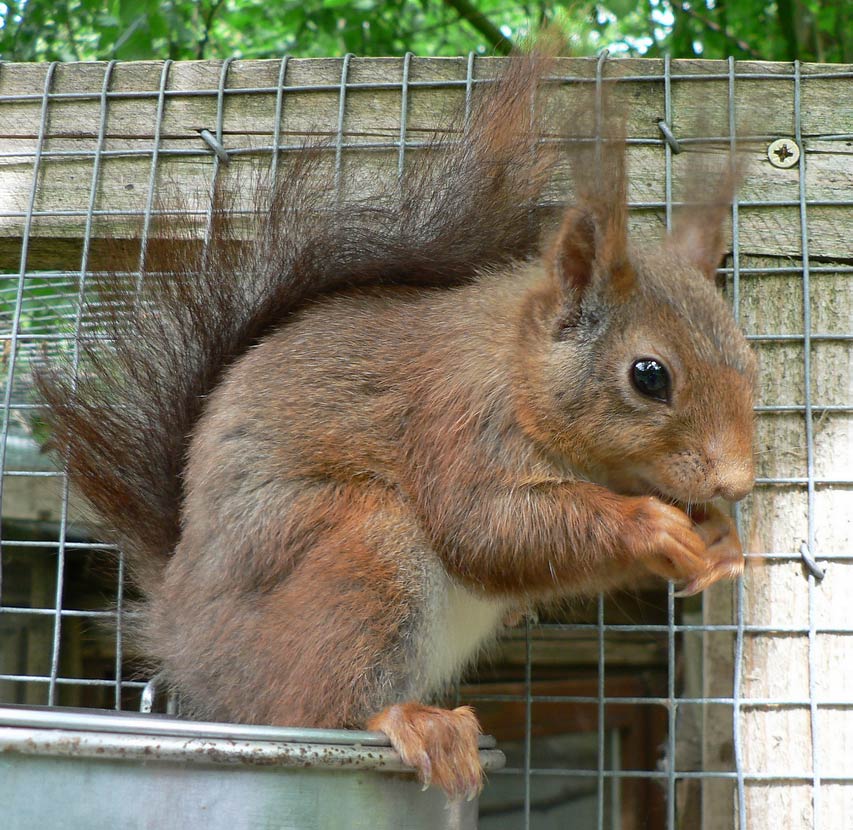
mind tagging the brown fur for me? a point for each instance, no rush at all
(440, 744)
(434, 421)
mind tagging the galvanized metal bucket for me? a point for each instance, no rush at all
(84, 769)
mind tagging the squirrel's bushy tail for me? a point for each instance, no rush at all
(122, 422)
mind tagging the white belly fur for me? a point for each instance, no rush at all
(463, 623)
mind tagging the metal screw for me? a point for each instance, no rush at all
(783, 152)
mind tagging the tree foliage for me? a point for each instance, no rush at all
(35, 30)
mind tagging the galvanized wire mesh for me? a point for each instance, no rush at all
(46, 548)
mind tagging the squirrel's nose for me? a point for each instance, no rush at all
(731, 468)
(735, 492)
(735, 480)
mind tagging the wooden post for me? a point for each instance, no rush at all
(796, 688)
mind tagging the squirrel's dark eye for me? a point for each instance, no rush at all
(650, 378)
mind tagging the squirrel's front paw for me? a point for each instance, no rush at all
(723, 552)
(693, 551)
(665, 540)
(441, 745)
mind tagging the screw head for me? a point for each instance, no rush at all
(783, 152)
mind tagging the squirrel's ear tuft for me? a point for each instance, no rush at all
(590, 250)
(591, 247)
(699, 234)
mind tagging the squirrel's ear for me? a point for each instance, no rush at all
(699, 235)
(572, 253)
(700, 243)
(590, 250)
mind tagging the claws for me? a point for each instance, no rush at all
(729, 568)
(424, 767)
(440, 745)
(694, 552)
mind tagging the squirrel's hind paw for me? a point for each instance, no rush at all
(440, 744)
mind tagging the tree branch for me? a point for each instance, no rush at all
(66, 19)
(715, 27)
(208, 22)
(785, 13)
(475, 18)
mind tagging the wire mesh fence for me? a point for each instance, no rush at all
(637, 710)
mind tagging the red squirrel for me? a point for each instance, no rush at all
(337, 456)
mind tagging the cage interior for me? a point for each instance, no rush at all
(635, 710)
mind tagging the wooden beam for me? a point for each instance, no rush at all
(310, 110)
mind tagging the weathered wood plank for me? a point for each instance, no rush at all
(373, 115)
(777, 739)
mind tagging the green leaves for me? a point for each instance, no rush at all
(180, 29)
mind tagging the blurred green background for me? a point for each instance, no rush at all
(38, 30)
